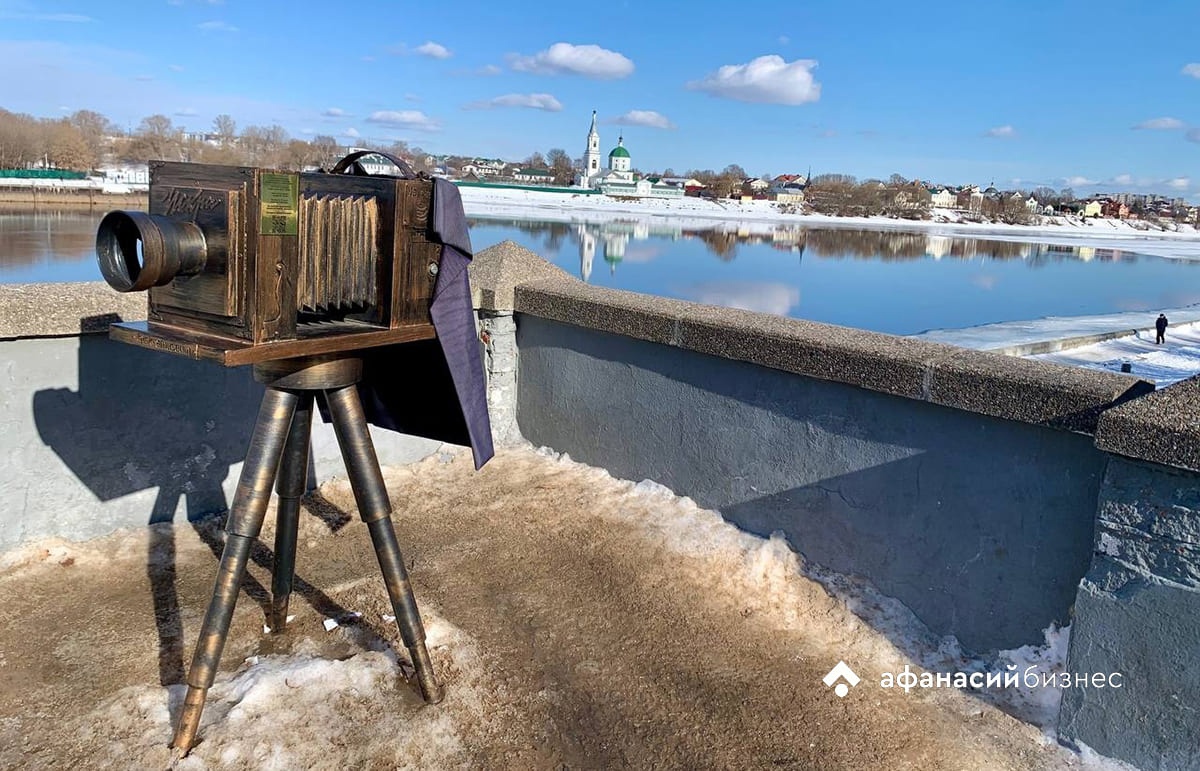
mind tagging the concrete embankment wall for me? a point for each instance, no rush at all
(96, 435)
(41, 197)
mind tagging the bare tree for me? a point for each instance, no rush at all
(95, 130)
(155, 139)
(560, 166)
(19, 140)
(66, 148)
(225, 128)
(326, 151)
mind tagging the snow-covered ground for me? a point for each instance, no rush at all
(1126, 235)
(1176, 359)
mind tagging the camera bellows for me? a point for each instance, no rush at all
(338, 253)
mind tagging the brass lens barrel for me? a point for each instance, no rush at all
(137, 250)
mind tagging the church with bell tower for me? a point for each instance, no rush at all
(618, 179)
(591, 158)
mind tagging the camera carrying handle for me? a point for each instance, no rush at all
(342, 166)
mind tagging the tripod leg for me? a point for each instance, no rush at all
(245, 521)
(293, 473)
(362, 465)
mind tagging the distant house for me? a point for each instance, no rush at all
(1115, 209)
(755, 185)
(970, 199)
(788, 188)
(484, 167)
(1032, 205)
(534, 176)
(1092, 209)
(943, 199)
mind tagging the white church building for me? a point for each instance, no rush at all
(618, 179)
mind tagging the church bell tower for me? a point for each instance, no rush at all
(591, 158)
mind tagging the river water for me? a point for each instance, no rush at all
(887, 281)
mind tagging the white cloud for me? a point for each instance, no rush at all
(1193, 135)
(1160, 123)
(591, 61)
(175, 67)
(352, 133)
(1192, 70)
(216, 26)
(1179, 183)
(434, 50)
(1078, 181)
(784, 40)
(1123, 179)
(1001, 132)
(488, 69)
(334, 112)
(414, 120)
(187, 112)
(545, 102)
(767, 79)
(647, 118)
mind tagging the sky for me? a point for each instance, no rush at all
(1098, 96)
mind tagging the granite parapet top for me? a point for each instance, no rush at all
(56, 310)
(1163, 427)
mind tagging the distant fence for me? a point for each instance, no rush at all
(42, 174)
(534, 188)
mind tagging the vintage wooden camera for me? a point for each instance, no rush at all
(245, 265)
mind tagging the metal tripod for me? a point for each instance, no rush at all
(281, 442)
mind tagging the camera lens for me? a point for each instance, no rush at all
(137, 251)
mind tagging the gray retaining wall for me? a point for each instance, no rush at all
(98, 435)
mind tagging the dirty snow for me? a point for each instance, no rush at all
(575, 620)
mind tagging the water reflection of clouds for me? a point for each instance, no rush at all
(984, 281)
(645, 253)
(763, 296)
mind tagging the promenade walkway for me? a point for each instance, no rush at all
(577, 621)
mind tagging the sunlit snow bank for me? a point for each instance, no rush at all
(1181, 241)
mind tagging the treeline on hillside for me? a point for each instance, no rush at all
(85, 138)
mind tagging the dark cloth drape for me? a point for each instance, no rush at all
(436, 388)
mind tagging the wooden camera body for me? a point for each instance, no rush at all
(246, 265)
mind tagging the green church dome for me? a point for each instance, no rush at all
(619, 152)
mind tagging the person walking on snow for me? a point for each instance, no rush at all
(1160, 327)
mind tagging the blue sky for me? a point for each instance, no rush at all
(1098, 95)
